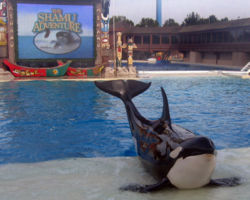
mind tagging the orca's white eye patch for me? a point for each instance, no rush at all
(174, 154)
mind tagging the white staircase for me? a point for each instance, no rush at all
(246, 67)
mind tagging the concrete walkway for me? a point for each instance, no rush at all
(5, 75)
(100, 179)
(151, 74)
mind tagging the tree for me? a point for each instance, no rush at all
(170, 22)
(203, 21)
(148, 22)
(191, 19)
(121, 19)
(194, 19)
(212, 19)
(224, 19)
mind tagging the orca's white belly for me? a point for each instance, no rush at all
(192, 172)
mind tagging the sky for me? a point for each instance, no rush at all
(27, 16)
(179, 9)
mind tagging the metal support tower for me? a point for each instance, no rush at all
(159, 11)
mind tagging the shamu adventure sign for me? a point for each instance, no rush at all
(47, 31)
(57, 20)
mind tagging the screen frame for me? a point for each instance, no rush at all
(91, 61)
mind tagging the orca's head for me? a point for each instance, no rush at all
(194, 163)
(194, 146)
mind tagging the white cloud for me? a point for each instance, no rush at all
(178, 9)
(25, 23)
(133, 9)
(86, 32)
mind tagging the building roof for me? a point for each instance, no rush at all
(153, 30)
(126, 29)
(217, 26)
(182, 29)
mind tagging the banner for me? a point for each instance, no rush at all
(47, 31)
(3, 26)
(3, 10)
(3, 33)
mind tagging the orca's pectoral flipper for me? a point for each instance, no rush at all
(147, 188)
(226, 182)
(124, 90)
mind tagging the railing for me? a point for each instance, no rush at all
(246, 67)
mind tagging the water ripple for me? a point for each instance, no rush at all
(42, 120)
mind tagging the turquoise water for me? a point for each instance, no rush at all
(176, 66)
(86, 49)
(43, 120)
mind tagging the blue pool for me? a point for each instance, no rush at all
(47, 120)
(177, 67)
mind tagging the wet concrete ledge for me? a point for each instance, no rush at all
(101, 178)
(7, 76)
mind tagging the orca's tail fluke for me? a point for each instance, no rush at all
(125, 90)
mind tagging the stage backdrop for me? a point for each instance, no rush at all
(47, 31)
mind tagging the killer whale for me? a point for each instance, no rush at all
(175, 156)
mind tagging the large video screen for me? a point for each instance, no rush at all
(47, 31)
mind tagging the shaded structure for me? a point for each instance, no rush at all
(3, 28)
(221, 43)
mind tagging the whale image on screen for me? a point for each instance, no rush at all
(57, 42)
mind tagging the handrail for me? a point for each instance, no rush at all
(246, 67)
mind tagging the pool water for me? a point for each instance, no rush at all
(49, 120)
(177, 67)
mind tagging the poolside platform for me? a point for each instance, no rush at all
(7, 76)
(100, 178)
(191, 73)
